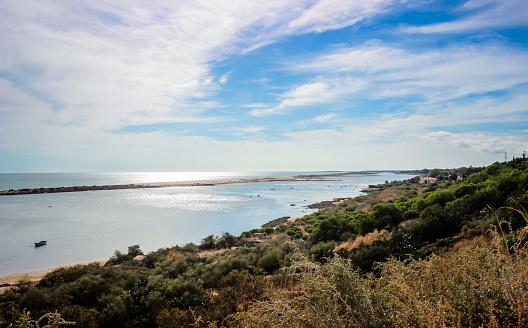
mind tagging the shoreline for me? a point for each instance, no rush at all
(12, 280)
(192, 183)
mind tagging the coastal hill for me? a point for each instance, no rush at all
(447, 251)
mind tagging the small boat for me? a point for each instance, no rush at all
(133, 246)
(40, 243)
(292, 204)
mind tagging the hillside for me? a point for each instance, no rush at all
(449, 253)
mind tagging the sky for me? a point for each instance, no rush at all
(261, 85)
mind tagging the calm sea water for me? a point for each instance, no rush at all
(91, 225)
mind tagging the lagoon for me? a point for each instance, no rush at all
(91, 225)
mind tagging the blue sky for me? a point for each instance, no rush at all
(261, 85)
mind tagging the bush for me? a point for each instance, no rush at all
(208, 242)
(478, 286)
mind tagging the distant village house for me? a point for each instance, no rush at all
(428, 180)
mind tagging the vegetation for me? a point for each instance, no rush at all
(450, 253)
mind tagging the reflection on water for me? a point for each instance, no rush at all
(188, 199)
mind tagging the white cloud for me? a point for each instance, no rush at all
(263, 112)
(438, 75)
(371, 57)
(224, 78)
(319, 92)
(334, 14)
(300, 96)
(325, 117)
(476, 141)
(489, 14)
(121, 63)
(250, 129)
(386, 116)
(256, 105)
(299, 17)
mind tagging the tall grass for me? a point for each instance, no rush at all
(367, 239)
(522, 239)
(483, 284)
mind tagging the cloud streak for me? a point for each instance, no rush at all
(480, 15)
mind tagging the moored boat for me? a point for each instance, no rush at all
(40, 243)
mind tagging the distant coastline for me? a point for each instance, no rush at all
(311, 177)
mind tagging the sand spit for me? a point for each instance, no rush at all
(321, 177)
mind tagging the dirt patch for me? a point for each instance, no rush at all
(386, 195)
(211, 252)
(295, 218)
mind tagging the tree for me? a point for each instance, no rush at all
(208, 242)
(435, 173)
(134, 251)
(294, 232)
(269, 230)
(245, 234)
(227, 240)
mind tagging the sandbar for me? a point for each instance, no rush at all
(319, 177)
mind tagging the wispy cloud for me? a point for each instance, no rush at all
(335, 14)
(223, 79)
(479, 15)
(325, 117)
(386, 116)
(321, 92)
(128, 61)
(438, 75)
(250, 129)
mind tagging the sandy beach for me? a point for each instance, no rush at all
(11, 280)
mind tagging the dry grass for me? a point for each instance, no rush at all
(174, 255)
(481, 284)
(387, 194)
(368, 239)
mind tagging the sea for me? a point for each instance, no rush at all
(87, 226)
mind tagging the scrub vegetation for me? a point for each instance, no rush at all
(452, 253)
